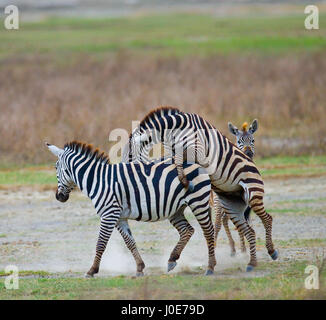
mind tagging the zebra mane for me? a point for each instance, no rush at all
(88, 150)
(244, 126)
(160, 111)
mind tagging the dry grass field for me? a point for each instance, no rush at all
(87, 99)
(58, 83)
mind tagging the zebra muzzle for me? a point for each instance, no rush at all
(248, 152)
(61, 197)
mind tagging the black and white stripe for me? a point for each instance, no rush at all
(234, 176)
(246, 143)
(137, 191)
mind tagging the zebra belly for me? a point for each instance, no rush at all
(232, 204)
(159, 209)
(133, 213)
(224, 186)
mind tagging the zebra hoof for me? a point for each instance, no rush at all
(171, 265)
(139, 274)
(89, 275)
(209, 272)
(232, 253)
(249, 268)
(191, 186)
(274, 255)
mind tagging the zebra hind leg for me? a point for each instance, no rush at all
(185, 231)
(228, 233)
(130, 242)
(205, 221)
(243, 227)
(256, 204)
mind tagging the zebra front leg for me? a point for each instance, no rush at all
(204, 219)
(108, 222)
(130, 242)
(185, 231)
(256, 204)
(228, 233)
(243, 227)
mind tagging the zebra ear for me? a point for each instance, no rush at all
(233, 129)
(253, 127)
(55, 150)
(141, 138)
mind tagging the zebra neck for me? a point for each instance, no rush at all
(89, 174)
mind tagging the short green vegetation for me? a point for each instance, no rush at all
(177, 34)
(281, 281)
(269, 167)
(25, 273)
(27, 177)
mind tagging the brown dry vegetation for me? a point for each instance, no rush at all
(84, 98)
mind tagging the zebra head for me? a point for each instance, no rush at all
(65, 182)
(245, 138)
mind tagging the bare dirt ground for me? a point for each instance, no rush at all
(39, 233)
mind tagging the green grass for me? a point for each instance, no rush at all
(269, 168)
(177, 34)
(283, 281)
(292, 166)
(297, 171)
(299, 211)
(292, 161)
(24, 273)
(301, 243)
(293, 201)
(27, 177)
(295, 243)
(312, 206)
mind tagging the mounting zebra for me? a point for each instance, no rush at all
(234, 176)
(246, 143)
(135, 191)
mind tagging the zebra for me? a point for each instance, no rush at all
(246, 143)
(135, 191)
(234, 176)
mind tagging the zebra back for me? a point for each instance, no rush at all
(189, 137)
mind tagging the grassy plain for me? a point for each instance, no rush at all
(176, 34)
(74, 78)
(284, 281)
(77, 78)
(272, 167)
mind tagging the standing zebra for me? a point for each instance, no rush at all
(234, 177)
(246, 143)
(135, 191)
